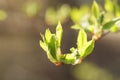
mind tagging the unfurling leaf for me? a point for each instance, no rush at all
(51, 43)
(43, 46)
(87, 49)
(50, 57)
(48, 35)
(59, 32)
(67, 58)
(49, 47)
(52, 47)
(82, 39)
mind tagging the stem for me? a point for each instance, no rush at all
(58, 63)
(100, 37)
(103, 35)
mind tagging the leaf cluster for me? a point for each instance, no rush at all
(99, 19)
(51, 44)
(96, 20)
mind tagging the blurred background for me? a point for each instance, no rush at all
(21, 57)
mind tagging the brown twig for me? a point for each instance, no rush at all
(103, 35)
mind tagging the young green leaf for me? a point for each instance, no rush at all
(95, 9)
(48, 35)
(67, 58)
(72, 49)
(87, 49)
(111, 23)
(42, 36)
(59, 32)
(43, 46)
(82, 39)
(52, 47)
(75, 53)
(50, 57)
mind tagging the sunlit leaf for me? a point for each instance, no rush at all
(59, 32)
(51, 58)
(95, 9)
(43, 38)
(75, 52)
(43, 46)
(111, 23)
(82, 39)
(87, 49)
(48, 35)
(67, 59)
(52, 46)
